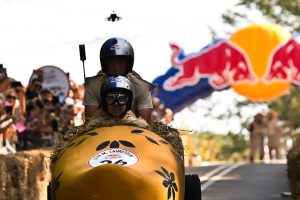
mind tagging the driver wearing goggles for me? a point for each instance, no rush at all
(116, 96)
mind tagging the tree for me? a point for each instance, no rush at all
(288, 108)
(281, 12)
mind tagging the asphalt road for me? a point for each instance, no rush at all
(242, 181)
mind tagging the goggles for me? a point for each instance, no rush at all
(121, 99)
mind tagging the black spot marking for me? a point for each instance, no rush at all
(92, 134)
(127, 143)
(102, 145)
(81, 141)
(177, 156)
(114, 144)
(60, 155)
(70, 145)
(151, 140)
(136, 131)
(163, 142)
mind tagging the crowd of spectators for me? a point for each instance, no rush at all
(265, 128)
(32, 117)
(160, 112)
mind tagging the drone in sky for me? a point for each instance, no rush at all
(113, 17)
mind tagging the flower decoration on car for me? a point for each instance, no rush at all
(168, 182)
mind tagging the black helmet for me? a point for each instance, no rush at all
(114, 47)
(115, 84)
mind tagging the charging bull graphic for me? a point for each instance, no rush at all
(222, 63)
(285, 63)
(259, 62)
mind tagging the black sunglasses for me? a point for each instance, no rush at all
(11, 97)
(111, 99)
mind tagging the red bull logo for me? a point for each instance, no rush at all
(114, 47)
(259, 62)
(284, 64)
(223, 63)
(260, 41)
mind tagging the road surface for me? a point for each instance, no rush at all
(244, 181)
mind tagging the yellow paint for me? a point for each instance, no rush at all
(79, 180)
(259, 41)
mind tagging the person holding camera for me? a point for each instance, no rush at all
(49, 117)
(7, 83)
(20, 94)
(8, 136)
(33, 90)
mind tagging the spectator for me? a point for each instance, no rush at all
(79, 113)
(32, 137)
(12, 106)
(257, 133)
(34, 88)
(167, 116)
(157, 109)
(78, 94)
(67, 115)
(10, 138)
(5, 81)
(49, 117)
(5, 123)
(274, 132)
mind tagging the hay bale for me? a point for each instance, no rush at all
(24, 175)
(170, 134)
(293, 168)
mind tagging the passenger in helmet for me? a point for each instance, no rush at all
(117, 58)
(116, 96)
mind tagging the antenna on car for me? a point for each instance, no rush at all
(82, 57)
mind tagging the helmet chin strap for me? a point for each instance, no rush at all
(124, 74)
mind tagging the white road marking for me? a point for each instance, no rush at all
(206, 176)
(217, 177)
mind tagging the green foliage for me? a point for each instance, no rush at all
(288, 108)
(281, 12)
(234, 144)
(230, 147)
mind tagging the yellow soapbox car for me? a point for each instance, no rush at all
(121, 162)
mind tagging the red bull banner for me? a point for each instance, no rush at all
(259, 62)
